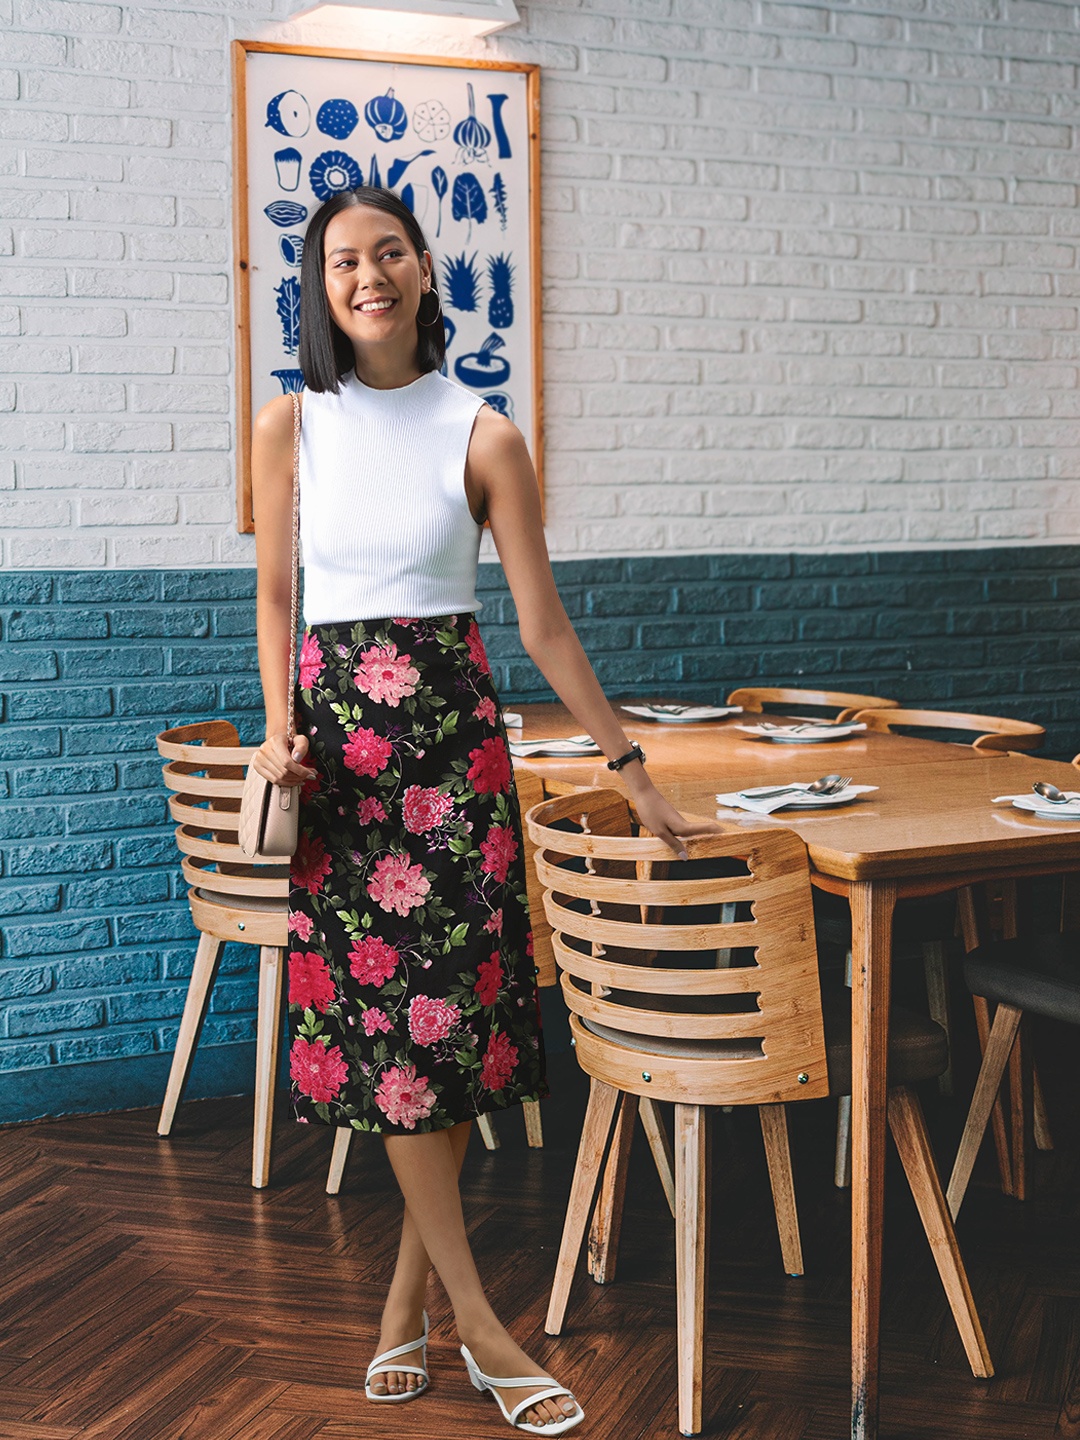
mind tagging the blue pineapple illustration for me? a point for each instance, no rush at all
(501, 304)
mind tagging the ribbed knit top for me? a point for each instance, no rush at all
(384, 519)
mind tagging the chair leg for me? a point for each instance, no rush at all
(534, 1132)
(1044, 1139)
(842, 1162)
(267, 1039)
(607, 1217)
(998, 1047)
(909, 1131)
(936, 969)
(198, 998)
(342, 1140)
(660, 1145)
(488, 1133)
(1001, 1134)
(691, 1234)
(774, 1131)
(594, 1136)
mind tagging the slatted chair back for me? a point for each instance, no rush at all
(992, 732)
(755, 698)
(729, 1009)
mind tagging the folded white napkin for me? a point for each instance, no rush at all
(511, 719)
(574, 745)
(1033, 802)
(681, 714)
(741, 800)
(811, 728)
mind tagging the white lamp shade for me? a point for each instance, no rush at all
(449, 17)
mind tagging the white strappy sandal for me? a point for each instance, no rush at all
(549, 1392)
(384, 1363)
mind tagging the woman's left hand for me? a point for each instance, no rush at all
(667, 824)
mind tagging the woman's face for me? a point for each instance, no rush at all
(374, 278)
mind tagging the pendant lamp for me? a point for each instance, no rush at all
(464, 19)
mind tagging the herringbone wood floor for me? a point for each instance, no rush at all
(147, 1293)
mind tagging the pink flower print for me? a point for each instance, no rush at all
(477, 653)
(401, 620)
(367, 753)
(311, 986)
(370, 809)
(489, 976)
(490, 768)
(404, 1097)
(529, 943)
(397, 885)
(375, 1020)
(499, 850)
(425, 808)
(385, 675)
(311, 661)
(319, 1071)
(485, 710)
(494, 923)
(301, 925)
(311, 864)
(500, 1057)
(431, 1020)
(372, 961)
(310, 787)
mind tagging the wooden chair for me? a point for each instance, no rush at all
(655, 1018)
(755, 698)
(992, 732)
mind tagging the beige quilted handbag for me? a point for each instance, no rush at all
(269, 813)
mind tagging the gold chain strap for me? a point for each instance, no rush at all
(294, 602)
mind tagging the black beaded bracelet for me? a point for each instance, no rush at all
(634, 753)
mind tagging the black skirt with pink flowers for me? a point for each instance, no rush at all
(412, 990)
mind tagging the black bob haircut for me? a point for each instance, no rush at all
(326, 352)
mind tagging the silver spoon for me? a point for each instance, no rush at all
(826, 785)
(1051, 793)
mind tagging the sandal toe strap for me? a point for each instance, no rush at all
(548, 1394)
(374, 1370)
(380, 1361)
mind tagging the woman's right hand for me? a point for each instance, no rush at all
(275, 762)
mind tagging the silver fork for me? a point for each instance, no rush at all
(826, 785)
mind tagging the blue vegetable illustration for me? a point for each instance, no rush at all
(287, 164)
(398, 168)
(288, 309)
(498, 198)
(471, 137)
(291, 380)
(374, 178)
(333, 171)
(286, 212)
(502, 139)
(483, 368)
(408, 198)
(431, 121)
(462, 282)
(467, 200)
(501, 304)
(498, 401)
(289, 113)
(292, 249)
(450, 330)
(337, 118)
(386, 116)
(439, 184)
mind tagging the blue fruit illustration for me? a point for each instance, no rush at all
(498, 198)
(333, 171)
(337, 118)
(501, 304)
(467, 200)
(292, 380)
(502, 139)
(286, 212)
(462, 282)
(439, 184)
(497, 400)
(288, 309)
(289, 113)
(483, 368)
(471, 137)
(386, 116)
(287, 164)
(292, 249)
(431, 121)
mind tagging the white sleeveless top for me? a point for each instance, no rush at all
(384, 519)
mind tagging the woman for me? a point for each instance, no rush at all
(412, 990)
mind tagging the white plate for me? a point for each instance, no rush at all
(681, 714)
(572, 745)
(802, 801)
(1035, 805)
(813, 735)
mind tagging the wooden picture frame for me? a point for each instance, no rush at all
(499, 150)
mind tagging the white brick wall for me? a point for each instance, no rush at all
(810, 274)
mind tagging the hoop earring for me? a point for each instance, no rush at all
(438, 312)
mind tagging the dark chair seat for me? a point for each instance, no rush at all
(918, 1046)
(1039, 974)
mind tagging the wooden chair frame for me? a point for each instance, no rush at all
(755, 697)
(992, 732)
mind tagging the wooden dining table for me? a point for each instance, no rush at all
(930, 827)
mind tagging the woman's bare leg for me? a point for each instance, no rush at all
(426, 1167)
(403, 1314)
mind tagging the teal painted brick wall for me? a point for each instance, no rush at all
(96, 938)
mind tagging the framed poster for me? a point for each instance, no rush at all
(458, 140)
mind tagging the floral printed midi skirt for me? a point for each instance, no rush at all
(412, 989)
